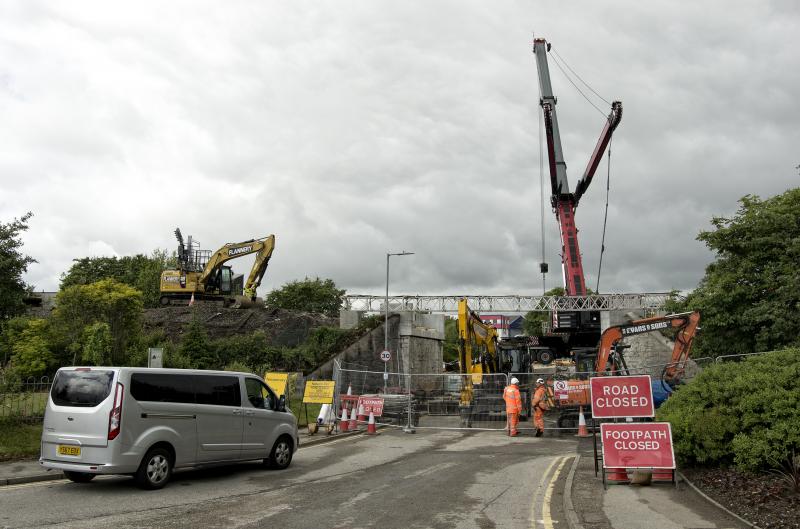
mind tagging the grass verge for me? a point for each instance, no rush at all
(299, 410)
(19, 440)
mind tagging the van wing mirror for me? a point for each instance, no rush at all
(282, 403)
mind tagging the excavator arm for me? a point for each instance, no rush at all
(686, 324)
(259, 267)
(472, 330)
(263, 247)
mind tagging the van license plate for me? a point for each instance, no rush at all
(69, 450)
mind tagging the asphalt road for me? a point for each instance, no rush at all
(440, 479)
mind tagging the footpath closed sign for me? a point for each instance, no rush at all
(371, 404)
(630, 396)
(319, 392)
(637, 445)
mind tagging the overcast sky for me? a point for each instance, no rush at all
(351, 129)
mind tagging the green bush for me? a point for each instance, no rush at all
(742, 413)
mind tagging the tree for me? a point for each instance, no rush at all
(107, 301)
(31, 354)
(450, 346)
(749, 298)
(196, 347)
(139, 271)
(309, 295)
(97, 342)
(13, 264)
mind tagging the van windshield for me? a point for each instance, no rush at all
(85, 389)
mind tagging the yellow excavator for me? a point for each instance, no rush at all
(477, 354)
(203, 275)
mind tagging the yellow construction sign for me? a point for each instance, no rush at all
(277, 381)
(319, 392)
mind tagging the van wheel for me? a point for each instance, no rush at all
(79, 477)
(155, 470)
(281, 454)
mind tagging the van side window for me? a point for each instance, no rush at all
(259, 395)
(160, 387)
(218, 389)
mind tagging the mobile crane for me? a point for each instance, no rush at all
(579, 329)
(204, 275)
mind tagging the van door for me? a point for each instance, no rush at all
(219, 417)
(76, 419)
(165, 400)
(261, 419)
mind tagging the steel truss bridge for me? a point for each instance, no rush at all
(653, 301)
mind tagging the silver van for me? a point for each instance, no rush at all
(147, 422)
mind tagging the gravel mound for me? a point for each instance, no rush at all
(282, 327)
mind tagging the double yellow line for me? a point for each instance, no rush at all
(547, 483)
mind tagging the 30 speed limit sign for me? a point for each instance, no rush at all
(386, 356)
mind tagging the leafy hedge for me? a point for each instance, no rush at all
(743, 413)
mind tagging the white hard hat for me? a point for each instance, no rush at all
(540, 381)
(514, 380)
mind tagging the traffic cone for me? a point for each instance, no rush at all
(362, 417)
(191, 301)
(353, 422)
(582, 431)
(371, 424)
(349, 389)
(343, 421)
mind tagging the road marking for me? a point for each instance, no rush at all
(548, 521)
(49, 482)
(538, 488)
(547, 482)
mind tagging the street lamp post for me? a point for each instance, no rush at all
(386, 321)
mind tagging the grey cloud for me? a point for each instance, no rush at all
(354, 130)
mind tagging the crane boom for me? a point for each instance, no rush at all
(562, 201)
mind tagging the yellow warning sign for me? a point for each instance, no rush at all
(277, 381)
(319, 392)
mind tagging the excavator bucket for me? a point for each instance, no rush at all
(244, 302)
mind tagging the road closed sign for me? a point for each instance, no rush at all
(637, 445)
(630, 396)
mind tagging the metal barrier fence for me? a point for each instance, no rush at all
(433, 400)
(23, 401)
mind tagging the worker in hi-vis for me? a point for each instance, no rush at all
(513, 405)
(539, 405)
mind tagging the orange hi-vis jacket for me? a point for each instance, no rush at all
(512, 398)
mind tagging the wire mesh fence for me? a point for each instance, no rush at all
(23, 401)
(457, 401)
